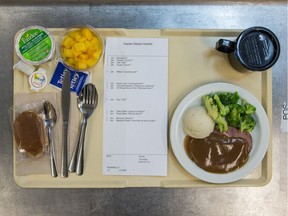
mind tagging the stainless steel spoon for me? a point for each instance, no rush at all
(50, 121)
(87, 102)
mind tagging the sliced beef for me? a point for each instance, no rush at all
(234, 132)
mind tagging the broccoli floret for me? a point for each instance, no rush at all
(234, 116)
(223, 110)
(247, 123)
(249, 109)
(221, 124)
(229, 98)
(211, 108)
(226, 110)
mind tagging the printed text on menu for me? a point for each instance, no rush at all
(135, 106)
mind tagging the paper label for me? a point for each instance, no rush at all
(284, 118)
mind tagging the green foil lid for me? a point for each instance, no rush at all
(35, 45)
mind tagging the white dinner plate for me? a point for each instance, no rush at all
(260, 134)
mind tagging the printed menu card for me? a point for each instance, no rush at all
(135, 106)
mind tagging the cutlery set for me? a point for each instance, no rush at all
(87, 102)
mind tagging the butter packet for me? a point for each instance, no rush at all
(77, 78)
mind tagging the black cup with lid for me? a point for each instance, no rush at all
(255, 49)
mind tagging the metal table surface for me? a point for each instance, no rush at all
(267, 200)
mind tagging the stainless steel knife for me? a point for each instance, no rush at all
(65, 105)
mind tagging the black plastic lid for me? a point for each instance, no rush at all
(257, 48)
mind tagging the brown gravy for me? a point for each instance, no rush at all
(217, 153)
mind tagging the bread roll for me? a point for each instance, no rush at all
(29, 133)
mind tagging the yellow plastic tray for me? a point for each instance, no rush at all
(193, 62)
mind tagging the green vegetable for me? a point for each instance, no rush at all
(211, 107)
(248, 108)
(229, 98)
(223, 110)
(235, 115)
(227, 109)
(247, 123)
(221, 124)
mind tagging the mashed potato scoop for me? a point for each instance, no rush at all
(197, 123)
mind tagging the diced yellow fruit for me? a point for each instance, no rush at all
(97, 54)
(67, 53)
(81, 65)
(82, 40)
(87, 33)
(88, 44)
(71, 61)
(68, 42)
(94, 40)
(80, 47)
(84, 56)
(75, 52)
(76, 35)
(90, 50)
(91, 62)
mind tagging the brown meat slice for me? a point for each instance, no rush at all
(234, 132)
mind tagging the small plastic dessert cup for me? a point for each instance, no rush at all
(80, 48)
(35, 45)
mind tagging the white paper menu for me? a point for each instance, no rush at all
(135, 106)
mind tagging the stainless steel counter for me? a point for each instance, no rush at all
(261, 201)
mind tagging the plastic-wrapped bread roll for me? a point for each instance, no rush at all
(29, 133)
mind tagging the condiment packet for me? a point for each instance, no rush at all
(37, 79)
(78, 79)
(24, 67)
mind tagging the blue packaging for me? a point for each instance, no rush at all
(77, 78)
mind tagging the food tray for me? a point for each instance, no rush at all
(193, 62)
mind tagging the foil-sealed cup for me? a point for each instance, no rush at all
(35, 45)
